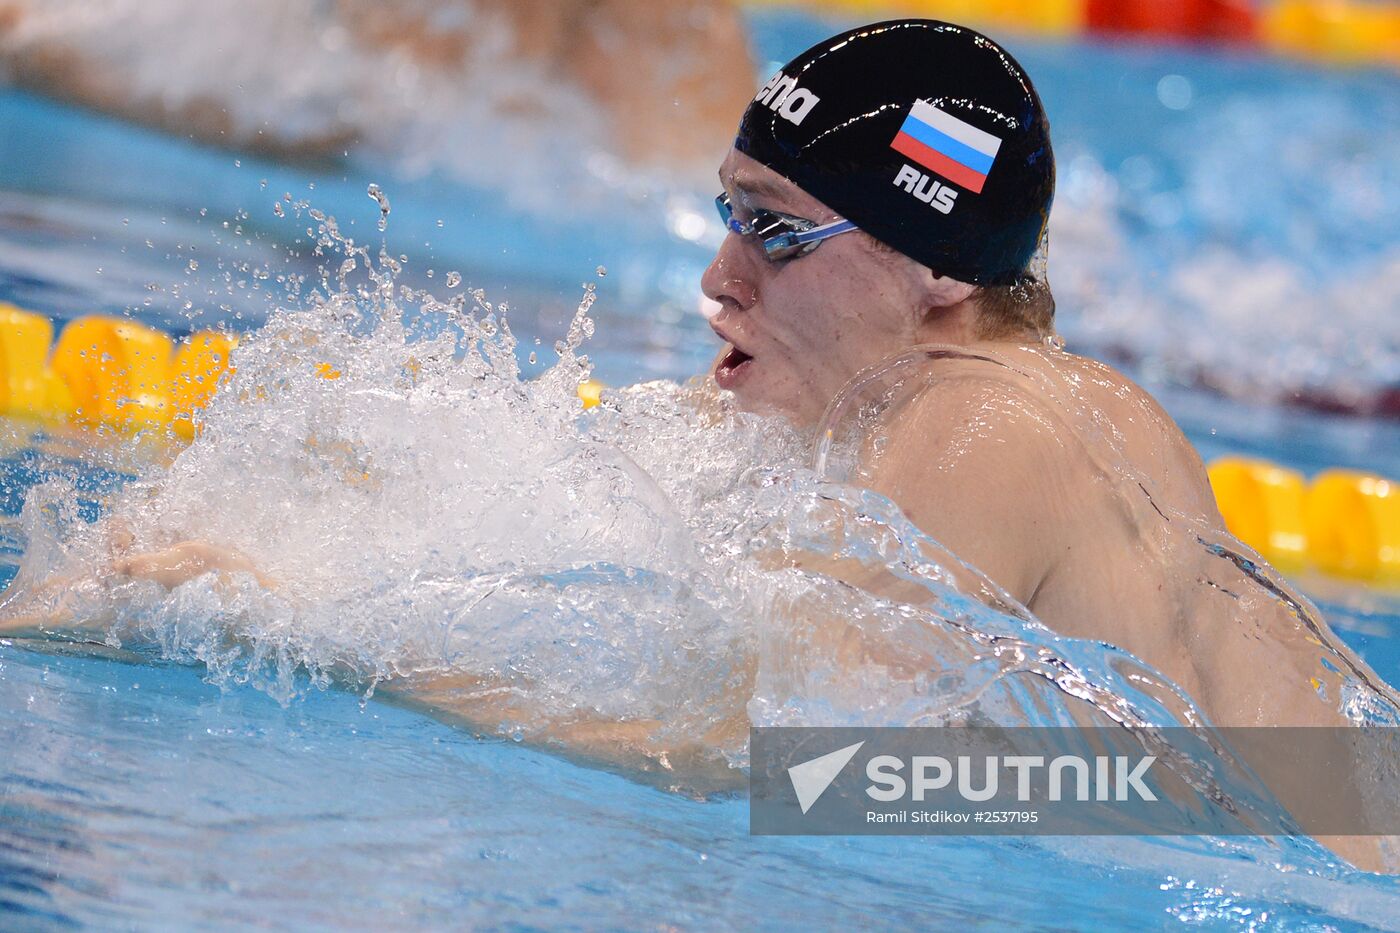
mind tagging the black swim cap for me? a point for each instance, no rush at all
(927, 135)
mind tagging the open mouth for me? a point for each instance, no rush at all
(732, 367)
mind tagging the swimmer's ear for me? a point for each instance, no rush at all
(944, 292)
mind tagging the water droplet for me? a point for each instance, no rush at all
(379, 196)
(533, 358)
(277, 209)
(439, 223)
(602, 271)
(454, 279)
(237, 163)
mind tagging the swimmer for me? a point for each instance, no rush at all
(878, 205)
(887, 198)
(333, 75)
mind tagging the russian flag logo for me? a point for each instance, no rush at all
(947, 146)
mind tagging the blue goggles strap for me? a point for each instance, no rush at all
(824, 231)
(782, 241)
(805, 238)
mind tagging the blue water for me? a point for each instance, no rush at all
(134, 795)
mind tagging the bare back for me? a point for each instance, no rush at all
(1070, 487)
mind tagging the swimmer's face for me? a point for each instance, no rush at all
(797, 330)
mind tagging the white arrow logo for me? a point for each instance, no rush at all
(811, 778)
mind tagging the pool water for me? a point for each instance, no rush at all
(135, 793)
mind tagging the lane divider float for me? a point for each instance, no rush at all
(590, 392)
(1345, 523)
(106, 371)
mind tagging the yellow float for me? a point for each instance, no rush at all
(1353, 522)
(1263, 506)
(590, 392)
(1345, 523)
(117, 371)
(199, 365)
(108, 372)
(28, 387)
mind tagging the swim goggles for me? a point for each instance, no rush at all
(783, 235)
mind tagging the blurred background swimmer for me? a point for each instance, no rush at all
(655, 82)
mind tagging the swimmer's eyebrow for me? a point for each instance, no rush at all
(758, 187)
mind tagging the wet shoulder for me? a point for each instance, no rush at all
(972, 454)
(1124, 428)
(953, 408)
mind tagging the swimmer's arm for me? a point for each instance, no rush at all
(186, 561)
(43, 613)
(486, 705)
(49, 609)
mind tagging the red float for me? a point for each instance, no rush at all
(1222, 20)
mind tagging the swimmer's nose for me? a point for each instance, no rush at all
(726, 281)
